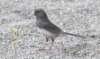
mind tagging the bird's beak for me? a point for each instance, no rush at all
(32, 13)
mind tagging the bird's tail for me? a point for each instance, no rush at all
(73, 34)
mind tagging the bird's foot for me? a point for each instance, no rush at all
(51, 48)
(41, 50)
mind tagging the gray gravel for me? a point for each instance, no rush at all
(74, 16)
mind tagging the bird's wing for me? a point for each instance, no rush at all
(50, 27)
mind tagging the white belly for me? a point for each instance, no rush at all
(47, 33)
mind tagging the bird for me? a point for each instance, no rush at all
(47, 28)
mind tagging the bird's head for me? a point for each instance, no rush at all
(39, 13)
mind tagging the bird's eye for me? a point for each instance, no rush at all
(37, 11)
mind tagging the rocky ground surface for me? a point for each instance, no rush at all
(20, 39)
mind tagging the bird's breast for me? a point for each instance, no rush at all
(47, 33)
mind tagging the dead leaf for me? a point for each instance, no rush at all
(14, 32)
(12, 43)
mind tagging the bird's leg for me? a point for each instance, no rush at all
(52, 43)
(45, 44)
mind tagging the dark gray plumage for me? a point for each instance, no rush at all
(43, 22)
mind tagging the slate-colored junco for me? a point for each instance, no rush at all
(47, 28)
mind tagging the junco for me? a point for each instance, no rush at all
(47, 28)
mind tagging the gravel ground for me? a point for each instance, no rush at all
(74, 16)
